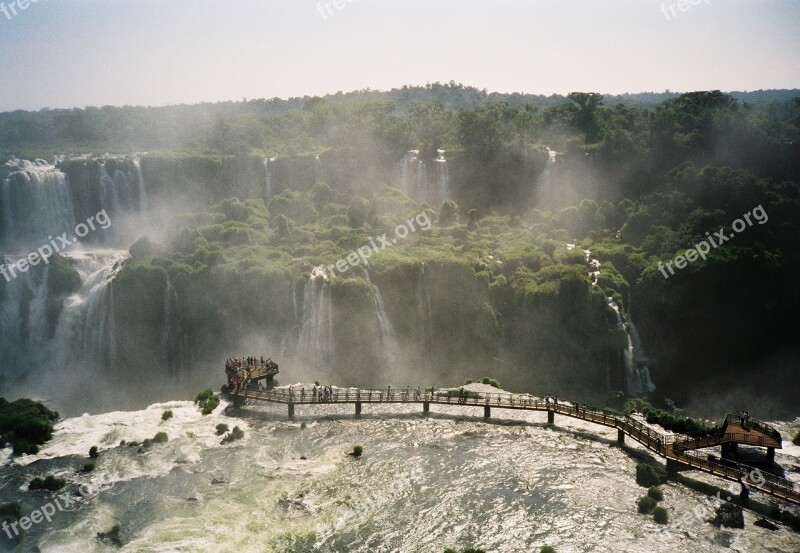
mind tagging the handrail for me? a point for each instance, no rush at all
(670, 446)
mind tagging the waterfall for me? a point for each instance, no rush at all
(109, 190)
(424, 311)
(641, 361)
(546, 196)
(411, 177)
(637, 373)
(171, 333)
(444, 178)
(83, 337)
(142, 187)
(315, 342)
(268, 161)
(317, 169)
(23, 322)
(36, 204)
(389, 345)
(421, 193)
(92, 310)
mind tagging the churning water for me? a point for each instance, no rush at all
(423, 484)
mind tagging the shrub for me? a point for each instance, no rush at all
(646, 504)
(93, 453)
(547, 549)
(36, 484)
(221, 428)
(650, 475)
(160, 438)
(668, 420)
(485, 380)
(10, 513)
(21, 447)
(468, 381)
(210, 405)
(235, 434)
(50, 483)
(26, 423)
(13, 510)
(207, 401)
(357, 451)
(660, 515)
(88, 466)
(166, 415)
(796, 439)
(112, 536)
(203, 396)
(656, 493)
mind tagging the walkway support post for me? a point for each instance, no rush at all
(358, 408)
(551, 417)
(620, 436)
(291, 410)
(487, 412)
(426, 407)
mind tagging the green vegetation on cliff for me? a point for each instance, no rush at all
(26, 424)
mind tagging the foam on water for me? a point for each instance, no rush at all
(423, 484)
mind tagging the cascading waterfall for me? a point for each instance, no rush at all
(36, 204)
(411, 176)
(268, 161)
(424, 311)
(23, 322)
(315, 342)
(640, 360)
(142, 187)
(110, 189)
(545, 194)
(83, 337)
(637, 373)
(390, 346)
(444, 178)
(172, 332)
(92, 310)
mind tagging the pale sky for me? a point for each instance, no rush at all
(68, 53)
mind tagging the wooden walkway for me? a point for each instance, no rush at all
(673, 447)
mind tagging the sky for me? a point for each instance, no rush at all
(75, 53)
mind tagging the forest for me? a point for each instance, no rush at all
(555, 205)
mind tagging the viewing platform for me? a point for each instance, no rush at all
(734, 431)
(677, 449)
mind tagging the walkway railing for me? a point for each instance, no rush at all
(669, 446)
